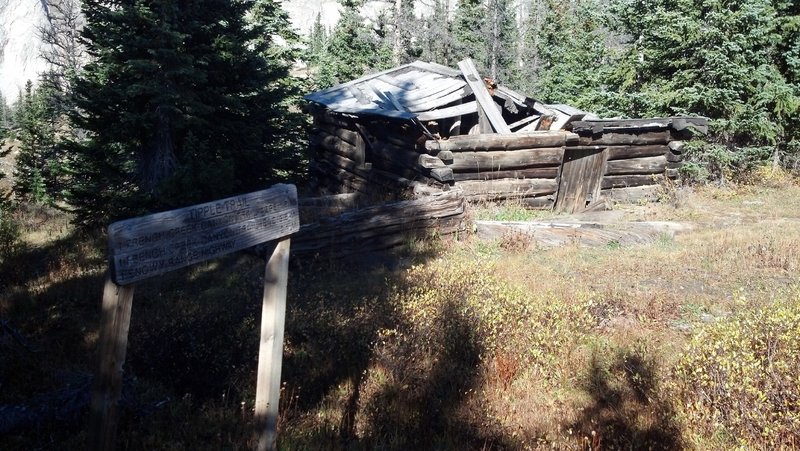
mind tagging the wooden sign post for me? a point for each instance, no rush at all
(151, 245)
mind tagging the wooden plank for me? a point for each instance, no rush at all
(483, 97)
(505, 160)
(491, 142)
(270, 352)
(150, 245)
(647, 165)
(580, 180)
(112, 347)
(453, 111)
(625, 152)
(508, 188)
(532, 173)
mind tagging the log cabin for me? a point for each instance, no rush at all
(423, 128)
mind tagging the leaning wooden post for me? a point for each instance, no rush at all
(270, 352)
(144, 247)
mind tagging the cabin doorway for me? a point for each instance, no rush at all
(581, 175)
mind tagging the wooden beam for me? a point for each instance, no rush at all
(508, 188)
(550, 172)
(482, 96)
(453, 111)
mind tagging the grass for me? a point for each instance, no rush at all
(471, 345)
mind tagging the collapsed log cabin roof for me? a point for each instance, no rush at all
(428, 91)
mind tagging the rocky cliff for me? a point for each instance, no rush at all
(20, 44)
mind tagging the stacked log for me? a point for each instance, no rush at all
(523, 166)
(359, 154)
(642, 154)
(381, 226)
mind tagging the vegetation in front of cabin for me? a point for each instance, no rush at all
(688, 342)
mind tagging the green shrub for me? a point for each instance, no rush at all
(741, 377)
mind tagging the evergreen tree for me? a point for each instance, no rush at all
(715, 58)
(39, 171)
(569, 44)
(180, 104)
(502, 35)
(435, 35)
(470, 33)
(317, 42)
(354, 49)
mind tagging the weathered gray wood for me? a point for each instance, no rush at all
(647, 165)
(581, 175)
(507, 188)
(550, 172)
(150, 245)
(611, 139)
(334, 144)
(672, 173)
(523, 121)
(625, 181)
(112, 347)
(270, 351)
(453, 111)
(676, 146)
(429, 161)
(345, 134)
(482, 96)
(476, 162)
(626, 152)
(492, 142)
(674, 157)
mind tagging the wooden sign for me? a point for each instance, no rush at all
(151, 245)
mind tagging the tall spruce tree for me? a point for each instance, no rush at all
(180, 104)
(354, 49)
(39, 170)
(568, 43)
(470, 33)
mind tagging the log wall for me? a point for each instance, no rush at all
(641, 154)
(360, 154)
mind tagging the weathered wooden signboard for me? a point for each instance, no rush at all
(148, 246)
